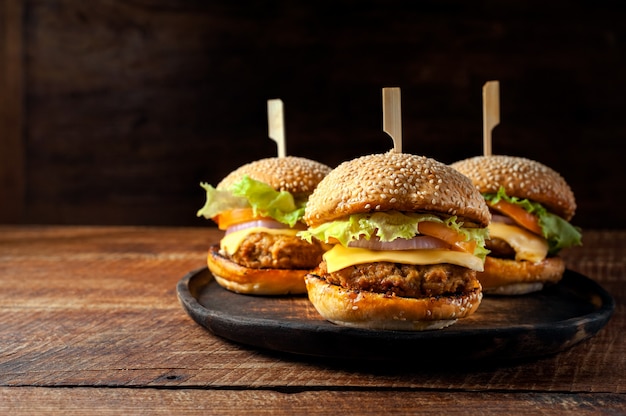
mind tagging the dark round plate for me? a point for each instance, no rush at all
(502, 328)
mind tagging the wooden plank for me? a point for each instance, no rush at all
(118, 344)
(12, 176)
(96, 306)
(29, 400)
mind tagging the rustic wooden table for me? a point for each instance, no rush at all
(90, 323)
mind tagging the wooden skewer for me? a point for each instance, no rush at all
(392, 116)
(276, 124)
(491, 112)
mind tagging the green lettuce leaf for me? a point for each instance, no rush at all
(218, 201)
(250, 193)
(559, 233)
(388, 226)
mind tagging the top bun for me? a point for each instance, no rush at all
(521, 178)
(296, 175)
(395, 181)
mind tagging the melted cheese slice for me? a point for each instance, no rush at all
(340, 257)
(231, 242)
(527, 246)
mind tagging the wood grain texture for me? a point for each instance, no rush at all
(132, 104)
(27, 401)
(96, 306)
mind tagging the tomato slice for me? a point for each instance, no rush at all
(235, 216)
(519, 215)
(447, 234)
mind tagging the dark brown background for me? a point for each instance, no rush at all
(112, 112)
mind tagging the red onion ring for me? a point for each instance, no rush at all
(415, 243)
(502, 219)
(255, 223)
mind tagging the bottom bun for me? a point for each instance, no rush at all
(510, 277)
(378, 311)
(240, 279)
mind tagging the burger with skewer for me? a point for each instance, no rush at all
(260, 207)
(407, 239)
(531, 206)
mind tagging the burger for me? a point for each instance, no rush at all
(531, 206)
(260, 207)
(406, 236)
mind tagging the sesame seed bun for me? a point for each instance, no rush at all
(362, 309)
(296, 175)
(395, 181)
(526, 179)
(405, 183)
(522, 178)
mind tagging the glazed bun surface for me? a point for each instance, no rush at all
(240, 279)
(369, 310)
(296, 175)
(522, 178)
(503, 276)
(395, 181)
